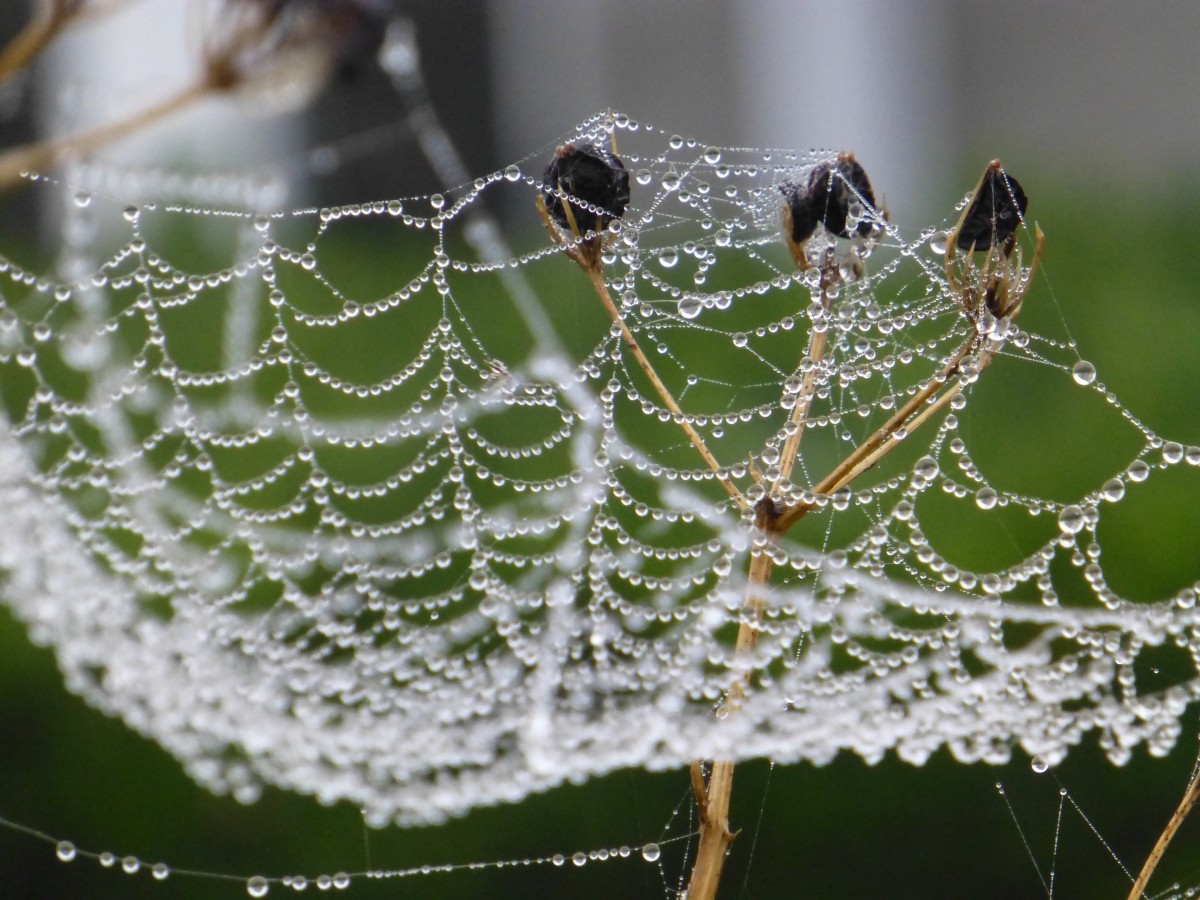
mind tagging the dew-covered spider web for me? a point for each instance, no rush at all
(364, 503)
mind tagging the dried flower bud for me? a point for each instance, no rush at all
(826, 199)
(995, 211)
(590, 177)
(271, 40)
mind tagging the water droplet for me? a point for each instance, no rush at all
(722, 567)
(512, 173)
(1071, 520)
(1139, 470)
(643, 176)
(130, 865)
(712, 156)
(986, 498)
(926, 468)
(676, 142)
(690, 306)
(668, 257)
(131, 213)
(257, 886)
(1172, 452)
(341, 881)
(1039, 765)
(83, 199)
(670, 182)
(651, 852)
(579, 858)
(160, 871)
(437, 201)
(65, 851)
(1083, 372)
(1113, 490)
(740, 339)
(558, 859)
(937, 243)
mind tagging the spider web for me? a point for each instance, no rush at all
(317, 498)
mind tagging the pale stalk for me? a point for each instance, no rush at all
(47, 154)
(1160, 846)
(30, 41)
(713, 799)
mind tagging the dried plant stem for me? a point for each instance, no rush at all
(596, 277)
(713, 799)
(1160, 846)
(32, 39)
(816, 352)
(46, 154)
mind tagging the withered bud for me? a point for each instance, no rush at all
(826, 197)
(995, 211)
(588, 176)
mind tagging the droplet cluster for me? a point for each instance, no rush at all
(356, 516)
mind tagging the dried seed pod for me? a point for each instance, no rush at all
(995, 212)
(826, 199)
(596, 185)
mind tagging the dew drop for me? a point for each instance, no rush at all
(160, 871)
(437, 201)
(986, 498)
(712, 156)
(131, 865)
(740, 339)
(512, 173)
(1039, 765)
(83, 199)
(1139, 470)
(926, 468)
(65, 851)
(1113, 490)
(1083, 372)
(668, 257)
(676, 141)
(670, 182)
(257, 886)
(643, 176)
(690, 307)
(651, 852)
(579, 858)
(937, 243)
(131, 214)
(1071, 520)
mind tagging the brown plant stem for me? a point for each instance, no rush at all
(1160, 846)
(44, 155)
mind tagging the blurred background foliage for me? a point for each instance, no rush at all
(1120, 271)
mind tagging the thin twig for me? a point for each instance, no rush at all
(46, 154)
(1160, 846)
(586, 254)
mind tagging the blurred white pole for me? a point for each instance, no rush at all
(856, 75)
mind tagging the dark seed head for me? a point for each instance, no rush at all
(589, 176)
(995, 212)
(826, 199)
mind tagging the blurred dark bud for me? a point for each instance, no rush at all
(287, 50)
(595, 183)
(827, 197)
(995, 212)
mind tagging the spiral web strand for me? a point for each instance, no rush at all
(304, 496)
